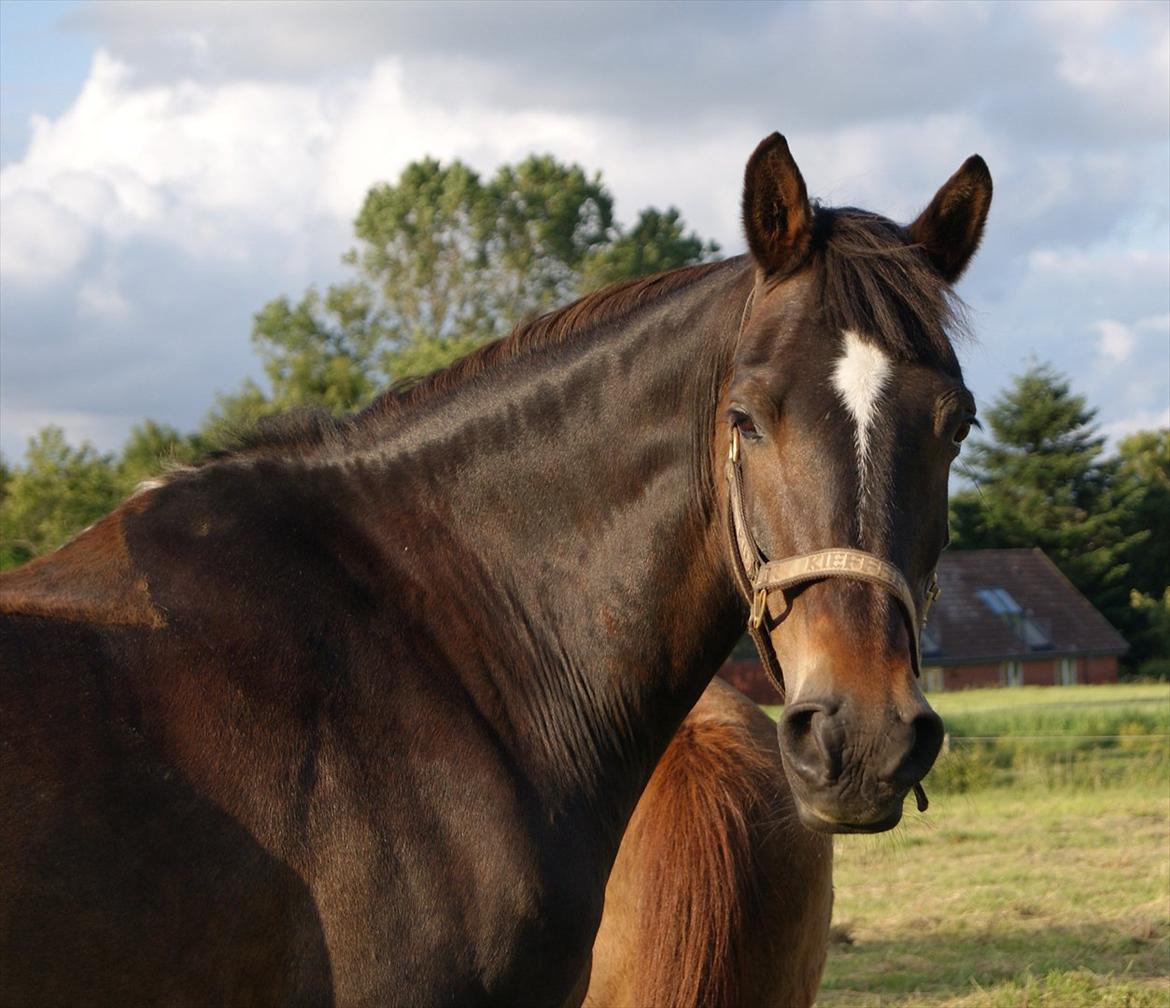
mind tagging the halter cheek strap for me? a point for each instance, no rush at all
(764, 583)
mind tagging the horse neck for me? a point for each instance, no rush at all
(577, 491)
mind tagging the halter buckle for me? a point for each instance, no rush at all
(933, 591)
(759, 604)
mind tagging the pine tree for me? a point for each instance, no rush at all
(1040, 480)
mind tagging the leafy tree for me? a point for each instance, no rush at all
(443, 262)
(1041, 481)
(1143, 477)
(657, 242)
(151, 448)
(57, 492)
(1150, 634)
(1143, 474)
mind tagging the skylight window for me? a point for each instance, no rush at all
(1031, 631)
(999, 601)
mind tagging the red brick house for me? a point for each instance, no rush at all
(1005, 617)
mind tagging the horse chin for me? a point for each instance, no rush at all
(811, 819)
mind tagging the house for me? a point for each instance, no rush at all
(1005, 617)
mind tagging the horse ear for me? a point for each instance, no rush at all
(777, 216)
(950, 228)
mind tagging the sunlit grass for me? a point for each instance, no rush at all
(1035, 887)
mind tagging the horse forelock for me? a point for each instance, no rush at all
(876, 283)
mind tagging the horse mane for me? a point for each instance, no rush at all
(607, 304)
(697, 856)
(873, 282)
(306, 428)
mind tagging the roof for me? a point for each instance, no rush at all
(1035, 612)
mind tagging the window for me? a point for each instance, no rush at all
(1011, 673)
(1066, 672)
(1031, 631)
(933, 680)
(999, 601)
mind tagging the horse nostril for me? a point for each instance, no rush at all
(811, 744)
(926, 733)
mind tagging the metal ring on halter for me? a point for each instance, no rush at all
(759, 605)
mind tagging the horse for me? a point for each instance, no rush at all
(719, 897)
(358, 713)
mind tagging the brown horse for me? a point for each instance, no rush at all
(358, 714)
(719, 897)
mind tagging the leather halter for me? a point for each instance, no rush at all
(764, 583)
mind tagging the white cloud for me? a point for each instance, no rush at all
(1117, 340)
(40, 239)
(1134, 422)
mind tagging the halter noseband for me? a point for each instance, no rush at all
(763, 581)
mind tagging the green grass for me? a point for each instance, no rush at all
(1008, 899)
(1055, 737)
(1062, 710)
(1043, 884)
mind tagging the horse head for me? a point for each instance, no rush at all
(844, 410)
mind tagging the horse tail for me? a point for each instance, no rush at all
(693, 840)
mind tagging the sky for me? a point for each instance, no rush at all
(167, 169)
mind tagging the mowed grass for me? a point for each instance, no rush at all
(1044, 881)
(1063, 710)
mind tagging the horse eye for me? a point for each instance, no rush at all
(961, 433)
(742, 422)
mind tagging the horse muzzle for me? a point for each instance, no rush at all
(851, 774)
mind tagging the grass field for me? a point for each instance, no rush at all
(1040, 876)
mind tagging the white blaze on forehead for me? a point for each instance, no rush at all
(860, 377)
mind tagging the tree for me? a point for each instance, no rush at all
(1143, 475)
(57, 492)
(657, 242)
(1041, 481)
(443, 262)
(1150, 634)
(152, 448)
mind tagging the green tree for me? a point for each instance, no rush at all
(1143, 477)
(1150, 634)
(152, 448)
(658, 241)
(443, 262)
(1041, 481)
(1143, 474)
(57, 492)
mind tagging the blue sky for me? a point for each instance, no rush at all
(166, 169)
(42, 67)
